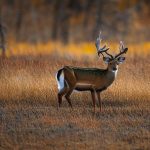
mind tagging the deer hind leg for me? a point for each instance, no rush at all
(68, 81)
(93, 99)
(67, 96)
(61, 94)
(62, 91)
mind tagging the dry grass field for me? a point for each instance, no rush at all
(29, 118)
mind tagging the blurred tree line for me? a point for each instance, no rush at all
(74, 20)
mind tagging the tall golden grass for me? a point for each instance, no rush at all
(78, 49)
(30, 118)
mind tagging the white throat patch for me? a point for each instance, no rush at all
(115, 72)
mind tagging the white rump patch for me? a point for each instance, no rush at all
(60, 82)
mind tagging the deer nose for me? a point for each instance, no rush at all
(114, 68)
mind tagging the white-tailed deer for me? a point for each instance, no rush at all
(94, 80)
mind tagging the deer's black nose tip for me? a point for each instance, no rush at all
(114, 69)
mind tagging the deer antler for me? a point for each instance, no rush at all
(102, 50)
(122, 49)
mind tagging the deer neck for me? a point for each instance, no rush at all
(111, 74)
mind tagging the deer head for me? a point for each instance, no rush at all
(112, 61)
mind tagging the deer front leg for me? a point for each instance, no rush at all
(93, 99)
(99, 100)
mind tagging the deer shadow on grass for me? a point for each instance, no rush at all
(105, 102)
(118, 103)
(77, 103)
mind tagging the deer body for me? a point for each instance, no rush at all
(94, 80)
(78, 78)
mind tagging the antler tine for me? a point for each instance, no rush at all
(97, 43)
(122, 49)
(121, 46)
(102, 50)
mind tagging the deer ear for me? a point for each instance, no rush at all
(121, 60)
(106, 60)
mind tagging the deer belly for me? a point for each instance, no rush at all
(83, 86)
